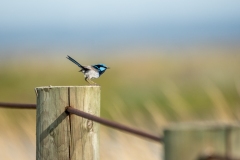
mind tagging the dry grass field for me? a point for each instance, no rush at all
(145, 89)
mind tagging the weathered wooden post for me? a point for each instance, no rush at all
(191, 141)
(67, 137)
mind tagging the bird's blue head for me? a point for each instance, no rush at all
(101, 68)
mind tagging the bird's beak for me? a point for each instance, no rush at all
(108, 67)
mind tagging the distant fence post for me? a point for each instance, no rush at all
(190, 141)
(67, 137)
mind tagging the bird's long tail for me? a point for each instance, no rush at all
(74, 61)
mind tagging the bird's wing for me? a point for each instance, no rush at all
(90, 68)
(74, 61)
(95, 68)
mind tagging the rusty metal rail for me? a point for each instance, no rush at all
(100, 120)
(113, 124)
(17, 105)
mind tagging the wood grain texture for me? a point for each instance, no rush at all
(61, 136)
(189, 141)
(85, 145)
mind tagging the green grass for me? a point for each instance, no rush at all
(147, 90)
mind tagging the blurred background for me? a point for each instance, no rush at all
(171, 61)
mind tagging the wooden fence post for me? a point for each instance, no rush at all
(67, 137)
(190, 141)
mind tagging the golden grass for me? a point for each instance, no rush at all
(147, 90)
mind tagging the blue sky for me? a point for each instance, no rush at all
(112, 20)
(28, 13)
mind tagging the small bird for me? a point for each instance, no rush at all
(90, 72)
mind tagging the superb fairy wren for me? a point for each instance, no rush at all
(90, 72)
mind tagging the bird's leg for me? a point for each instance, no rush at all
(86, 79)
(93, 83)
(89, 81)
